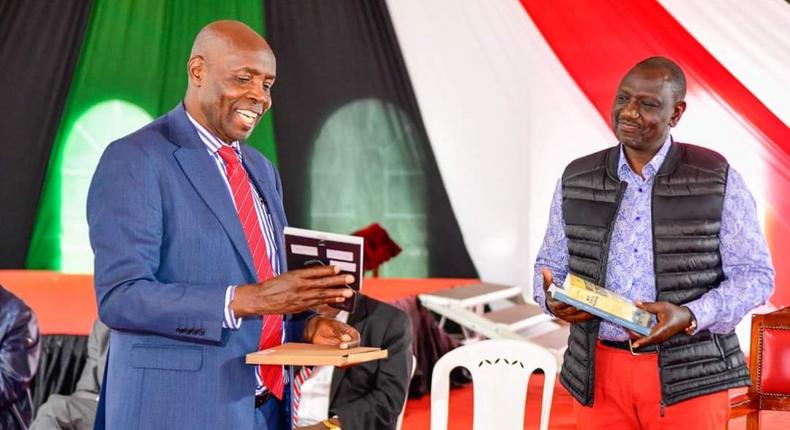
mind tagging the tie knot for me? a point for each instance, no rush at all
(228, 155)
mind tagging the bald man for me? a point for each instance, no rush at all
(672, 227)
(186, 225)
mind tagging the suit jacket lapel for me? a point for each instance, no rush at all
(201, 170)
(356, 320)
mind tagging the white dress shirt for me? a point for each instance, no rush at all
(314, 403)
(213, 143)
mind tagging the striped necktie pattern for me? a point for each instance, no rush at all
(271, 332)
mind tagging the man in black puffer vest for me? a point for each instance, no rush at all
(673, 227)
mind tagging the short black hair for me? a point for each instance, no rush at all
(676, 75)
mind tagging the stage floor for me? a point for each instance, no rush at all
(418, 411)
(66, 304)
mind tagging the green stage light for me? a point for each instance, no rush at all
(90, 134)
(366, 167)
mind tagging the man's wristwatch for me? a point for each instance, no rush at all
(330, 425)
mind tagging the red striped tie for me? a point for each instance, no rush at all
(271, 334)
(304, 374)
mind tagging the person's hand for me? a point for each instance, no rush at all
(329, 331)
(672, 319)
(292, 292)
(561, 310)
(319, 426)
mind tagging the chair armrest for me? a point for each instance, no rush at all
(742, 404)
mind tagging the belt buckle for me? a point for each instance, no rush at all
(631, 347)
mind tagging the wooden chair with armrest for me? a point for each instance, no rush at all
(769, 365)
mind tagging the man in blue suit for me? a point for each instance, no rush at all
(186, 226)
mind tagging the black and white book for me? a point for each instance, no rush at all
(305, 248)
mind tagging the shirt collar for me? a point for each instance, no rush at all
(651, 168)
(212, 142)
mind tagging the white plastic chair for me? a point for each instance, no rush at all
(406, 400)
(500, 371)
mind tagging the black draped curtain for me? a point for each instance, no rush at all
(39, 45)
(351, 143)
(59, 367)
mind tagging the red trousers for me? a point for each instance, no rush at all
(628, 396)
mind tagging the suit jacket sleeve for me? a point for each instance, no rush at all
(380, 409)
(125, 216)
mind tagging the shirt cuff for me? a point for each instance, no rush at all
(704, 319)
(230, 321)
(538, 294)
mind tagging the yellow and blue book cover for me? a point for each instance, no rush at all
(585, 295)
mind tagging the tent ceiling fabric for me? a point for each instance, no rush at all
(751, 42)
(507, 86)
(502, 116)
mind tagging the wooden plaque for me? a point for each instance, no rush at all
(307, 354)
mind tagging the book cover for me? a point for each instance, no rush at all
(307, 354)
(305, 248)
(586, 296)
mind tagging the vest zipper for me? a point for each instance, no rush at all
(721, 350)
(602, 272)
(663, 403)
(602, 266)
(655, 272)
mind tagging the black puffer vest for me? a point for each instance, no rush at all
(687, 201)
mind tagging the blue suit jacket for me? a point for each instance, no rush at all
(167, 243)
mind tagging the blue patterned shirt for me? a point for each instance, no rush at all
(749, 274)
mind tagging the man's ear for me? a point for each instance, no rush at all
(680, 107)
(196, 68)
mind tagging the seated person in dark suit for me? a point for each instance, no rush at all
(366, 396)
(78, 411)
(19, 352)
